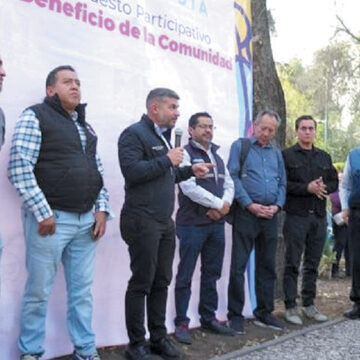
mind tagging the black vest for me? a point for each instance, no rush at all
(190, 212)
(67, 175)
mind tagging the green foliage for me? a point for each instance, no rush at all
(329, 90)
(339, 166)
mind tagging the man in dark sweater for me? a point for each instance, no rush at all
(310, 177)
(150, 167)
(55, 168)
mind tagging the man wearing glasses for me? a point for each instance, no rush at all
(203, 203)
(310, 177)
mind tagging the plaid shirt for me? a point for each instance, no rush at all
(24, 153)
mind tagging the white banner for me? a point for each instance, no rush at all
(121, 50)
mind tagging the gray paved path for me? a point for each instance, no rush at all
(335, 340)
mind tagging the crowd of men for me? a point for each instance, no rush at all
(55, 168)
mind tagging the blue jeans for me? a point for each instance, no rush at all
(71, 244)
(209, 242)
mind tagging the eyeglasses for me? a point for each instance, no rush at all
(204, 126)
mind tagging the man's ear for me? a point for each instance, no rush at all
(50, 91)
(190, 130)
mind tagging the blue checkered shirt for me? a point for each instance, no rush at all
(25, 148)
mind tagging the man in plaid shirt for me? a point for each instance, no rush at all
(55, 168)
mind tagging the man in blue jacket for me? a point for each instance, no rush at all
(150, 167)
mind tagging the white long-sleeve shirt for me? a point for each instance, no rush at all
(200, 195)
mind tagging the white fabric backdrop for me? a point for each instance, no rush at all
(117, 71)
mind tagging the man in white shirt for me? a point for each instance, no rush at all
(203, 203)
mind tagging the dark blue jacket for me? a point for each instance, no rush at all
(149, 175)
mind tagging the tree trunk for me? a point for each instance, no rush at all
(268, 94)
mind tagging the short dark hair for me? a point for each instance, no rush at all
(160, 94)
(194, 118)
(304, 117)
(269, 112)
(51, 78)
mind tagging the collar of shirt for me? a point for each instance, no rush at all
(198, 145)
(160, 130)
(74, 115)
(254, 141)
(299, 148)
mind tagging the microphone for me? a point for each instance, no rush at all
(178, 135)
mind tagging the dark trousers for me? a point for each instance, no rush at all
(354, 242)
(151, 248)
(341, 244)
(302, 234)
(208, 241)
(248, 231)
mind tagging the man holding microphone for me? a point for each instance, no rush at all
(150, 167)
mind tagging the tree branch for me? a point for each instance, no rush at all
(346, 30)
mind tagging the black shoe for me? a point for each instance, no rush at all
(270, 322)
(353, 313)
(166, 349)
(217, 328)
(139, 352)
(182, 333)
(237, 324)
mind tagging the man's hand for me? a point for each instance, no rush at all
(47, 226)
(214, 214)
(274, 209)
(225, 209)
(100, 224)
(176, 156)
(345, 215)
(261, 211)
(318, 188)
(200, 170)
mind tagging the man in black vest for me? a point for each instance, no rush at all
(56, 170)
(200, 228)
(151, 167)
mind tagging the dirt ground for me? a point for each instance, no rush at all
(332, 299)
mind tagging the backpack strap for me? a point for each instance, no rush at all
(244, 151)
